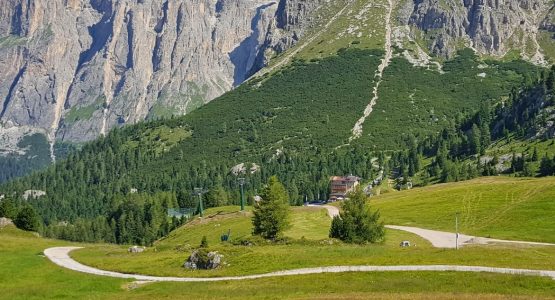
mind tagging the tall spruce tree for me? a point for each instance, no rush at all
(271, 214)
(357, 224)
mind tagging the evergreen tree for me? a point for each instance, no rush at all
(475, 140)
(535, 154)
(356, 223)
(546, 166)
(216, 197)
(271, 215)
(27, 219)
(7, 209)
(527, 170)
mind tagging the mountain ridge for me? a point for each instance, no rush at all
(112, 79)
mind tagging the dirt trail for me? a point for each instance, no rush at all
(60, 256)
(357, 129)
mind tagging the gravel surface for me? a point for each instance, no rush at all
(442, 239)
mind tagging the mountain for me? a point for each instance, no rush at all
(74, 69)
(361, 92)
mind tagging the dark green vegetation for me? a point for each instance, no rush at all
(271, 214)
(356, 224)
(416, 101)
(290, 124)
(460, 150)
(27, 219)
(37, 156)
(28, 275)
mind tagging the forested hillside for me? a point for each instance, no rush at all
(295, 124)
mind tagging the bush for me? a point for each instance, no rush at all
(7, 209)
(204, 242)
(356, 224)
(203, 259)
(27, 219)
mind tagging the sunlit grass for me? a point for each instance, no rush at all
(497, 207)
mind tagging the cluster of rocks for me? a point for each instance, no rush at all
(201, 259)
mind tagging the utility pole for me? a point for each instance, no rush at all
(199, 192)
(457, 231)
(242, 183)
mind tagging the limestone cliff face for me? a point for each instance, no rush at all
(73, 69)
(490, 26)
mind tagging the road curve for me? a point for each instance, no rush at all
(332, 210)
(442, 239)
(60, 256)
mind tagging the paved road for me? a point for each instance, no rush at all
(60, 256)
(442, 239)
(332, 210)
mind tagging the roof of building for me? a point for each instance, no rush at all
(349, 178)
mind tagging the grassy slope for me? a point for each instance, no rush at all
(25, 274)
(311, 252)
(497, 207)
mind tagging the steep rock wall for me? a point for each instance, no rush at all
(76, 68)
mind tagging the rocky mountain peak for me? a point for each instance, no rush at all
(76, 68)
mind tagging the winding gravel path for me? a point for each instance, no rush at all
(332, 210)
(442, 239)
(60, 256)
(357, 129)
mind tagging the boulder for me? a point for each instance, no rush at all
(201, 259)
(5, 222)
(136, 249)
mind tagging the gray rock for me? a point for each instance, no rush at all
(136, 249)
(33, 194)
(5, 222)
(490, 26)
(76, 68)
(199, 259)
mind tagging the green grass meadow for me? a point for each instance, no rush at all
(26, 274)
(308, 247)
(497, 207)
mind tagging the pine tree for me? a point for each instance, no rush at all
(546, 166)
(217, 197)
(535, 154)
(475, 140)
(27, 219)
(356, 223)
(7, 209)
(271, 215)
